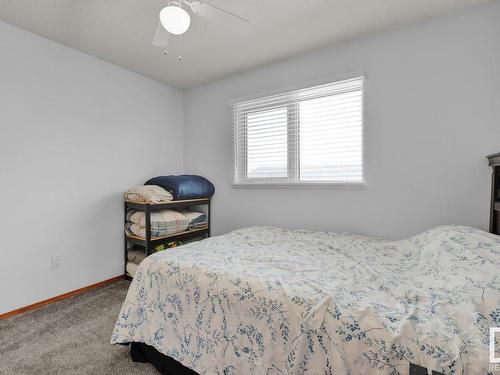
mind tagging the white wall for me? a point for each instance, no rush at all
(432, 115)
(75, 132)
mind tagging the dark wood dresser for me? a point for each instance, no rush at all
(494, 161)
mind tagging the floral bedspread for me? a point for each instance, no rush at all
(274, 301)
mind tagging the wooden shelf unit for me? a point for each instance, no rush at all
(149, 243)
(494, 162)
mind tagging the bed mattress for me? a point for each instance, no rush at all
(270, 301)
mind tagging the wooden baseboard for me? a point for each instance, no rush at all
(60, 297)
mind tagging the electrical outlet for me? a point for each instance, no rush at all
(56, 262)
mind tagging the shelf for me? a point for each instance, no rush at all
(167, 205)
(171, 237)
(150, 244)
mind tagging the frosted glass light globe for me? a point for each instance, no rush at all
(175, 19)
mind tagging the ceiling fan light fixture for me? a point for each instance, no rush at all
(175, 19)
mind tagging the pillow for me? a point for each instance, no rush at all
(161, 218)
(163, 223)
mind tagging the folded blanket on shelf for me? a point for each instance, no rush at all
(131, 268)
(136, 256)
(147, 194)
(196, 219)
(184, 186)
(163, 223)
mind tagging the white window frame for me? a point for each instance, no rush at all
(293, 145)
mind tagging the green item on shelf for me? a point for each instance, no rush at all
(168, 246)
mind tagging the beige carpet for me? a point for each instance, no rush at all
(69, 337)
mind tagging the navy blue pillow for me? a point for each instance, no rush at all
(184, 186)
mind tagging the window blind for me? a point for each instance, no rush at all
(313, 135)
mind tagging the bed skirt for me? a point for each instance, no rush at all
(144, 353)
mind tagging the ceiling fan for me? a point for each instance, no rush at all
(175, 19)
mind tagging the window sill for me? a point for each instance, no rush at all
(299, 184)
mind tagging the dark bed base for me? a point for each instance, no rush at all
(419, 370)
(165, 365)
(143, 353)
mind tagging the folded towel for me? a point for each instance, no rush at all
(131, 268)
(196, 219)
(184, 186)
(136, 256)
(147, 194)
(198, 225)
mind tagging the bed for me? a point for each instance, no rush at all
(267, 300)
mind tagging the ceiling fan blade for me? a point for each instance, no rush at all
(219, 15)
(161, 37)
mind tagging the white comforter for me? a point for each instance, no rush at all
(275, 301)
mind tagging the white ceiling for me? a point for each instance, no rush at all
(120, 31)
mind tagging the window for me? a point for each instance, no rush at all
(313, 135)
